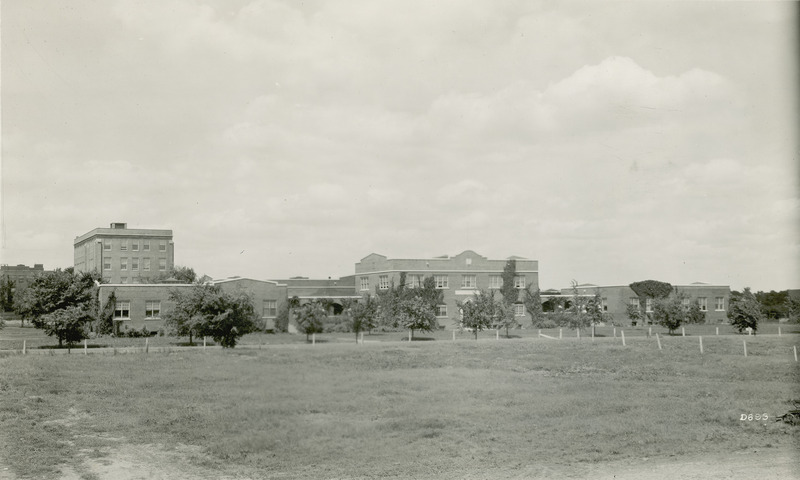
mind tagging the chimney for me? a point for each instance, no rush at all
(119, 226)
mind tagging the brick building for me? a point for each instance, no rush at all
(125, 255)
(459, 278)
(19, 277)
(335, 291)
(713, 299)
(268, 297)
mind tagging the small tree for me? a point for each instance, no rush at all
(669, 312)
(480, 312)
(6, 294)
(793, 309)
(67, 324)
(176, 274)
(651, 289)
(532, 299)
(510, 293)
(310, 318)
(363, 314)
(207, 310)
(57, 290)
(282, 319)
(695, 314)
(415, 313)
(745, 311)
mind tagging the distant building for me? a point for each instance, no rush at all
(268, 297)
(713, 299)
(20, 277)
(125, 255)
(335, 291)
(458, 277)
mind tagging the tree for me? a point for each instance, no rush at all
(695, 314)
(7, 294)
(480, 312)
(773, 304)
(533, 305)
(363, 313)
(67, 324)
(58, 290)
(510, 293)
(793, 309)
(208, 311)
(310, 318)
(412, 308)
(647, 289)
(745, 311)
(669, 312)
(415, 313)
(176, 274)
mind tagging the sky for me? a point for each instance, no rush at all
(611, 141)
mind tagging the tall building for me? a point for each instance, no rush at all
(125, 255)
(458, 277)
(19, 277)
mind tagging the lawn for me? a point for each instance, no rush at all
(436, 409)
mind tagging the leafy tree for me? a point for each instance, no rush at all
(67, 324)
(651, 289)
(480, 312)
(669, 312)
(510, 294)
(310, 318)
(6, 294)
(745, 311)
(793, 309)
(773, 304)
(105, 317)
(206, 310)
(533, 305)
(58, 290)
(594, 310)
(695, 314)
(363, 313)
(415, 313)
(282, 319)
(634, 312)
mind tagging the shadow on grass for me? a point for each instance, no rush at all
(74, 346)
(419, 339)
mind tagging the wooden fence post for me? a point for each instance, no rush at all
(497, 334)
(717, 330)
(658, 339)
(314, 338)
(24, 346)
(592, 332)
(683, 331)
(85, 348)
(559, 333)
(701, 345)
(744, 343)
(623, 337)
(615, 332)
(579, 333)
(795, 353)
(649, 332)
(204, 343)
(454, 335)
(146, 345)
(362, 337)
(779, 330)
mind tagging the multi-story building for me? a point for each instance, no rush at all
(125, 255)
(458, 277)
(334, 291)
(713, 299)
(18, 277)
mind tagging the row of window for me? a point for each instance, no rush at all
(702, 301)
(519, 310)
(123, 245)
(135, 263)
(442, 281)
(270, 309)
(152, 309)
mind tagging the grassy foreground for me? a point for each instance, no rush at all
(425, 409)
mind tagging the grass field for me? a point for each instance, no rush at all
(489, 409)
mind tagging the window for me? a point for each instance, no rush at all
(441, 310)
(495, 281)
(123, 263)
(364, 283)
(720, 304)
(634, 302)
(441, 281)
(123, 280)
(146, 264)
(135, 246)
(152, 309)
(703, 303)
(122, 309)
(270, 309)
(519, 310)
(123, 245)
(648, 305)
(414, 281)
(383, 282)
(468, 281)
(162, 264)
(106, 264)
(162, 246)
(135, 264)
(146, 246)
(519, 282)
(604, 304)
(106, 244)
(469, 261)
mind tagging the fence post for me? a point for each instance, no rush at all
(779, 330)
(497, 334)
(658, 339)
(454, 335)
(409, 336)
(649, 332)
(623, 337)
(592, 332)
(362, 337)
(701, 345)
(717, 330)
(146, 345)
(539, 333)
(579, 333)
(559, 333)
(744, 343)
(24, 345)
(204, 343)
(85, 348)
(795, 353)
(314, 338)
(615, 332)
(683, 331)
